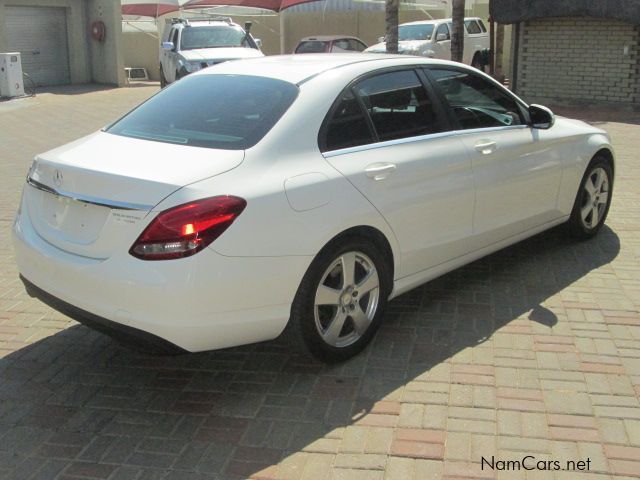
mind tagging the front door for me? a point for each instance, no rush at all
(442, 42)
(516, 168)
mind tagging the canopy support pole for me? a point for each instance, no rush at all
(282, 32)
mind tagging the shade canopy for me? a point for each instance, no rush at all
(156, 8)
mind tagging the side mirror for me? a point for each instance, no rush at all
(541, 117)
(167, 46)
(441, 37)
(380, 39)
(258, 42)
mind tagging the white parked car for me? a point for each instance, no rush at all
(300, 194)
(191, 45)
(432, 38)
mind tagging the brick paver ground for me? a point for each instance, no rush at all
(534, 350)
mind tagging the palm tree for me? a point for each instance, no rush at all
(391, 25)
(457, 35)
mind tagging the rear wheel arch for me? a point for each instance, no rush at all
(371, 234)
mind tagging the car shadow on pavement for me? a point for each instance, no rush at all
(78, 402)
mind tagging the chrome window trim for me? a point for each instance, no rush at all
(101, 202)
(401, 141)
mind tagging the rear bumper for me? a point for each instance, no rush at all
(134, 337)
(203, 302)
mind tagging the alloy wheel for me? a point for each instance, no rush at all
(346, 299)
(595, 198)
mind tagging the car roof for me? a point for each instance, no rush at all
(299, 68)
(326, 38)
(438, 20)
(202, 23)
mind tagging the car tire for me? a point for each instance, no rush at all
(593, 199)
(343, 326)
(163, 81)
(477, 62)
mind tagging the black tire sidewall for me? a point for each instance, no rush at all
(304, 301)
(576, 224)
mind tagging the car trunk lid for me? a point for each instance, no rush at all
(92, 196)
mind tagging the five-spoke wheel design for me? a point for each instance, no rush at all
(595, 197)
(346, 299)
(341, 300)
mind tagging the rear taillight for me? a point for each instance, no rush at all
(186, 229)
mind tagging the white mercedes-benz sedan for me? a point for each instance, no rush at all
(297, 195)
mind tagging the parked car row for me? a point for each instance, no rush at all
(190, 45)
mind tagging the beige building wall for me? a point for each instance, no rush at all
(584, 60)
(89, 61)
(141, 50)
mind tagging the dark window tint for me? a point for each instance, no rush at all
(356, 45)
(173, 37)
(482, 27)
(444, 30)
(398, 105)
(230, 112)
(476, 102)
(472, 27)
(348, 126)
(314, 46)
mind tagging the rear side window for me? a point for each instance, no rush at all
(472, 27)
(348, 126)
(356, 45)
(314, 46)
(482, 27)
(476, 102)
(229, 112)
(398, 105)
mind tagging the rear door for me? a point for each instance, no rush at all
(517, 169)
(388, 137)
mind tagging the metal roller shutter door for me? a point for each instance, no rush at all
(40, 35)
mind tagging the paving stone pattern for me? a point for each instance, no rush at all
(534, 350)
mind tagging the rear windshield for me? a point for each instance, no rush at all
(229, 112)
(313, 46)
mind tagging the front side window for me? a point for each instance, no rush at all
(482, 27)
(212, 36)
(476, 102)
(415, 32)
(230, 112)
(444, 30)
(347, 127)
(173, 37)
(398, 105)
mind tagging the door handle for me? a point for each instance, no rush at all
(380, 171)
(486, 147)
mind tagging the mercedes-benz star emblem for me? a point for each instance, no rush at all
(57, 178)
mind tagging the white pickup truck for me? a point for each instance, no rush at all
(190, 45)
(432, 38)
